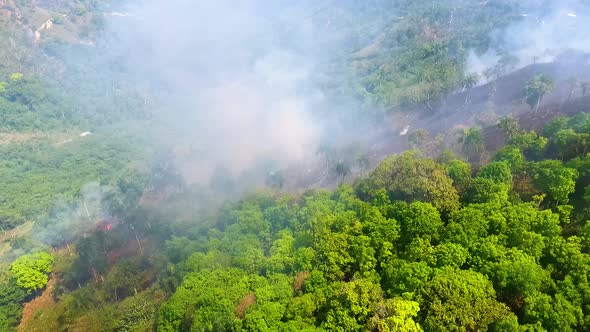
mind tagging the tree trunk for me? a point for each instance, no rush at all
(538, 104)
(138, 242)
(87, 213)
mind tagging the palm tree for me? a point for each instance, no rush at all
(469, 82)
(472, 143)
(363, 163)
(328, 153)
(342, 169)
(509, 127)
(537, 88)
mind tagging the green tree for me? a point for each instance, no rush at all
(458, 300)
(418, 220)
(352, 305)
(460, 172)
(508, 127)
(207, 300)
(554, 178)
(555, 313)
(11, 297)
(537, 88)
(569, 144)
(31, 270)
(418, 137)
(395, 315)
(123, 280)
(472, 143)
(483, 190)
(411, 177)
(400, 277)
(513, 156)
(531, 145)
(498, 171)
(342, 169)
(470, 81)
(556, 124)
(516, 275)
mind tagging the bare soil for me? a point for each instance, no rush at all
(45, 300)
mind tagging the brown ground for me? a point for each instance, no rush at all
(45, 300)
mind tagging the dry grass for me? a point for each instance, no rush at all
(300, 279)
(245, 303)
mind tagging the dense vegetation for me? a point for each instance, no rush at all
(99, 233)
(510, 255)
(419, 244)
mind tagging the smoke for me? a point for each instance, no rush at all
(541, 37)
(478, 64)
(234, 89)
(234, 81)
(68, 221)
(542, 32)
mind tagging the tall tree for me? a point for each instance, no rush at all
(342, 169)
(470, 82)
(458, 300)
(509, 127)
(472, 143)
(554, 178)
(537, 88)
(410, 177)
(31, 270)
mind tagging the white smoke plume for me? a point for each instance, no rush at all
(232, 88)
(543, 31)
(68, 221)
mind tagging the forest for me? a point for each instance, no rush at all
(475, 217)
(418, 245)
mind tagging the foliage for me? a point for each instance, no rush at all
(554, 178)
(11, 297)
(498, 171)
(509, 127)
(460, 172)
(398, 251)
(472, 144)
(412, 177)
(416, 245)
(31, 270)
(537, 88)
(457, 300)
(418, 137)
(36, 175)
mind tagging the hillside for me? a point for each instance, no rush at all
(312, 166)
